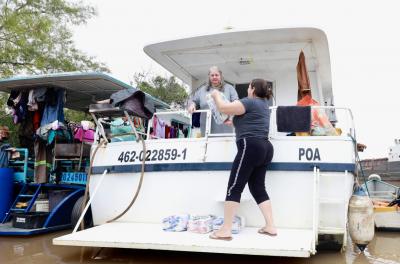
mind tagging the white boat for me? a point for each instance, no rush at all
(309, 181)
(394, 157)
(386, 213)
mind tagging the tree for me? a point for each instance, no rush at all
(165, 89)
(35, 37)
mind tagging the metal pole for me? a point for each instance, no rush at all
(90, 201)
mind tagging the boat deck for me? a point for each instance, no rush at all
(289, 242)
(8, 230)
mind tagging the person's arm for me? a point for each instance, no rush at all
(233, 94)
(229, 108)
(194, 101)
(191, 107)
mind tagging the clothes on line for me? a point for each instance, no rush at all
(162, 130)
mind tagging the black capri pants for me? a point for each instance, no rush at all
(250, 166)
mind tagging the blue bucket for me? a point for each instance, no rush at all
(6, 191)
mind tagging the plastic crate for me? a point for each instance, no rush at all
(23, 166)
(30, 220)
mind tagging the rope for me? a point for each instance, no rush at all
(85, 196)
(137, 190)
(359, 163)
(139, 186)
(141, 173)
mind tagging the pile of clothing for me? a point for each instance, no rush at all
(201, 224)
(40, 115)
(176, 223)
(237, 225)
(320, 123)
(37, 111)
(83, 132)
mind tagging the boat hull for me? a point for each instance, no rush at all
(387, 217)
(309, 196)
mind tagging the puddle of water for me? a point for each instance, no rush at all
(384, 249)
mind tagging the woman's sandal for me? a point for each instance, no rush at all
(262, 231)
(214, 236)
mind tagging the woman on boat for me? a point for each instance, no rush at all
(255, 152)
(199, 99)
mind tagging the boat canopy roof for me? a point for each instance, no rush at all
(82, 89)
(244, 55)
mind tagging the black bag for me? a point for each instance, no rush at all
(293, 118)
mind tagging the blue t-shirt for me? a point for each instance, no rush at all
(255, 121)
(200, 99)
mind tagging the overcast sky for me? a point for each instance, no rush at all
(363, 37)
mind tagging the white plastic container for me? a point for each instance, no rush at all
(41, 206)
(361, 220)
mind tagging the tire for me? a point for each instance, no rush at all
(76, 213)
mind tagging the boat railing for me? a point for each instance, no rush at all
(101, 121)
(342, 122)
(184, 114)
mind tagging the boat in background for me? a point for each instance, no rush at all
(386, 200)
(31, 208)
(394, 157)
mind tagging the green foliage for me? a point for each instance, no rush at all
(165, 89)
(76, 116)
(35, 37)
(6, 120)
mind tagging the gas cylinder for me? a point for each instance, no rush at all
(361, 218)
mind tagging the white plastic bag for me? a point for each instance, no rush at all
(201, 224)
(219, 117)
(237, 224)
(176, 223)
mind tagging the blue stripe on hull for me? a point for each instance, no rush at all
(223, 166)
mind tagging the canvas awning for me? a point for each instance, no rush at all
(82, 89)
(244, 55)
